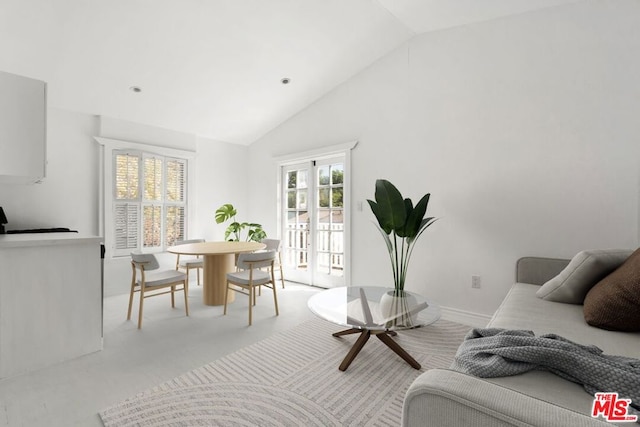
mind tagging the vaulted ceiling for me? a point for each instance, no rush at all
(214, 67)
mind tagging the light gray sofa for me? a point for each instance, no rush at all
(441, 397)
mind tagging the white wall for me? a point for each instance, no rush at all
(522, 128)
(221, 177)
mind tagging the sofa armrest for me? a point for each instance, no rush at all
(537, 271)
(444, 398)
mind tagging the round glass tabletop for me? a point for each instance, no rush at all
(373, 308)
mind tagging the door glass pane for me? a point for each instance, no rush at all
(322, 241)
(337, 174)
(323, 198)
(323, 175)
(302, 199)
(337, 219)
(298, 240)
(330, 225)
(291, 199)
(302, 178)
(323, 263)
(292, 179)
(296, 233)
(302, 261)
(336, 197)
(324, 218)
(337, 254)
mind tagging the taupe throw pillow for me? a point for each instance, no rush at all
(585, 270)
(614, 302)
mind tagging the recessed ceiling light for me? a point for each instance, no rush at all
(285, 81)
(135, 89)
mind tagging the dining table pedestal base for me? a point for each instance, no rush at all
(215, 278)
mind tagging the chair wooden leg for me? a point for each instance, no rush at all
(186, 296)
(140, 308)
(226, 297)
(173, 298)
(273, 286)
(252, 291)
(130, 300)
(275, 299)
(198, 274)
(280, 265)
(281, 276)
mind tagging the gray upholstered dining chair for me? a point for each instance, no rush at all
(250, 276)
(151, 281)
(274, 245)
(186, 262)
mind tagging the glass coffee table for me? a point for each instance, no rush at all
(365, 310)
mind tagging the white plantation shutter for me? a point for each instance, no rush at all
(149, 201)
(127, 226)
(126, 207)
(152, 226)
(176, 180)
(127, 176)
(152, 178)
(174, 217)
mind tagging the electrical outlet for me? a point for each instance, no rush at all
(475, 282)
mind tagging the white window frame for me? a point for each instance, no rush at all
(106, 198)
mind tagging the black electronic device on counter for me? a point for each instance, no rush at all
(42, 230)
(3, 221)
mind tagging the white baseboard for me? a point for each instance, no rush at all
(475, 320)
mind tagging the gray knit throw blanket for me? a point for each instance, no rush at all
(494, 352)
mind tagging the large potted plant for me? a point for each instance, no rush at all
(401, 224)
(255, 233)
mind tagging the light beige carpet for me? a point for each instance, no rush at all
(292, 379)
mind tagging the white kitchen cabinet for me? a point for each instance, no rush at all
(23, 128)
(50, 300)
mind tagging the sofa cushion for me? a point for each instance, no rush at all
(614, 302)
(582, 273)
(520, 309)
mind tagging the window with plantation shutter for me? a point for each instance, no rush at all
(127, 220)
(149, 201)
(175, 200)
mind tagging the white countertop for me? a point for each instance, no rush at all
(45, 239)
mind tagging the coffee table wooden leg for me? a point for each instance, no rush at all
(398, 350)
(360, 342)
(347, 332)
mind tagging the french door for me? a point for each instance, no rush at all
(314, 213)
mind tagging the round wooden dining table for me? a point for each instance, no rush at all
(219, 259)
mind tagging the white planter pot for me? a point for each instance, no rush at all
(397, 309)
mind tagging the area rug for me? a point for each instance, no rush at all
(292, 379)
